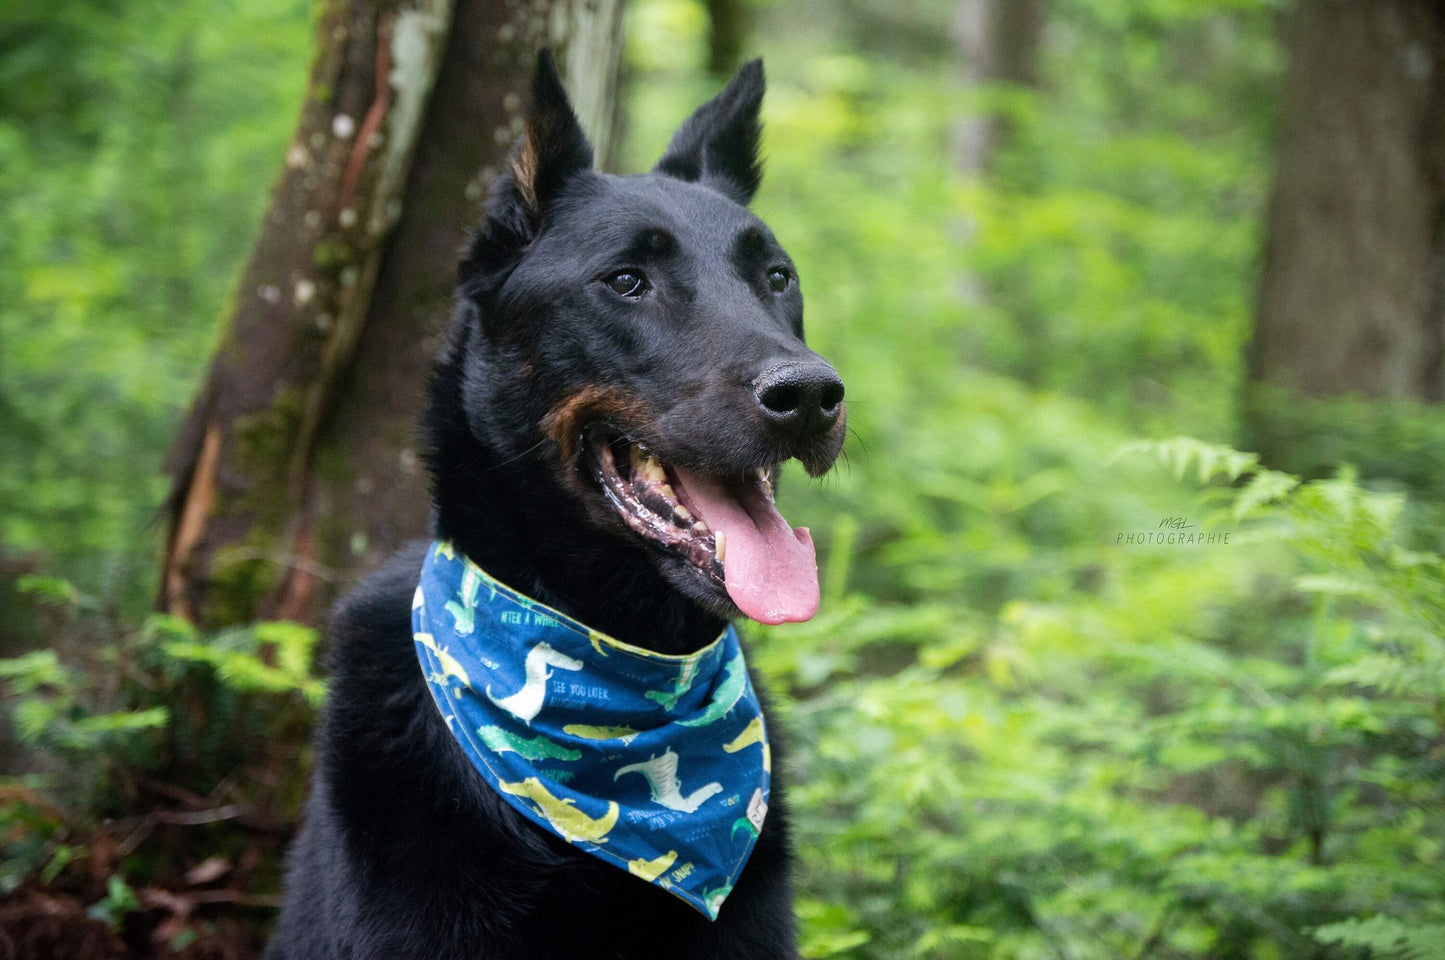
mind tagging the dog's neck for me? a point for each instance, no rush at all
(509, 515)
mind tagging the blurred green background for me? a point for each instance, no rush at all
(1017, 729)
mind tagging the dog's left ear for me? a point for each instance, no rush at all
(553, 146)
(718, 145)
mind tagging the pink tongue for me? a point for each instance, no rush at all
(770, 569)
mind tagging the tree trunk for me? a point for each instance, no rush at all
(296, 471)
(1350, 296)
(998, 43)
(728, 25)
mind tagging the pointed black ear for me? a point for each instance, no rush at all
(553, 146)
(718, 144)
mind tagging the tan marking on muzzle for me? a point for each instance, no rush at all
(563, 423)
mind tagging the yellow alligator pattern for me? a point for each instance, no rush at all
(563, 814)
(752, 733)
(650, 870)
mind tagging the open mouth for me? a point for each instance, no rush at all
(726, 527)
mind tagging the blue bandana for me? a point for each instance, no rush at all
(656, 764)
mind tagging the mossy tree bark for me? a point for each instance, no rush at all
(296, 470)
(1350, 297)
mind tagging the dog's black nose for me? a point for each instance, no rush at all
(802, 397)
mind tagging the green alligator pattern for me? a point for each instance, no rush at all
(685, 680)
(727, 695)
(533, 748)
(465, 612)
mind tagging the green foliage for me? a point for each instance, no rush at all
(1214, 751)
(137, 140)
(233, 655)
(109, 711)
(1387, 939)
(49, 718)
(119, 901)
(1072, 693)
(1399, 440)
(33, 844)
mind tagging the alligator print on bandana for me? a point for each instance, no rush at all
(656, 764)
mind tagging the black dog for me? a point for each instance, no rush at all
(622, 347)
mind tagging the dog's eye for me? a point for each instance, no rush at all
(778, 279)
(627, 284)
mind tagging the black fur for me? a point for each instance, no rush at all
(405, 851)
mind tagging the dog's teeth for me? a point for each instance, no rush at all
(722, 547)
(682, 513)
(700, 528)
(646, 466)
(765, 480)
(667, 491)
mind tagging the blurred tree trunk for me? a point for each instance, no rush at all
(1350, 298)
(296, 470)
(998, 43)
(728, 24)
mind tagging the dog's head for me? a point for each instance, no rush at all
(629, 352)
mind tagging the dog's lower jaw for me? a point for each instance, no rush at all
(690, 583)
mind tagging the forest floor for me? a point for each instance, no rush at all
(41, 924)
